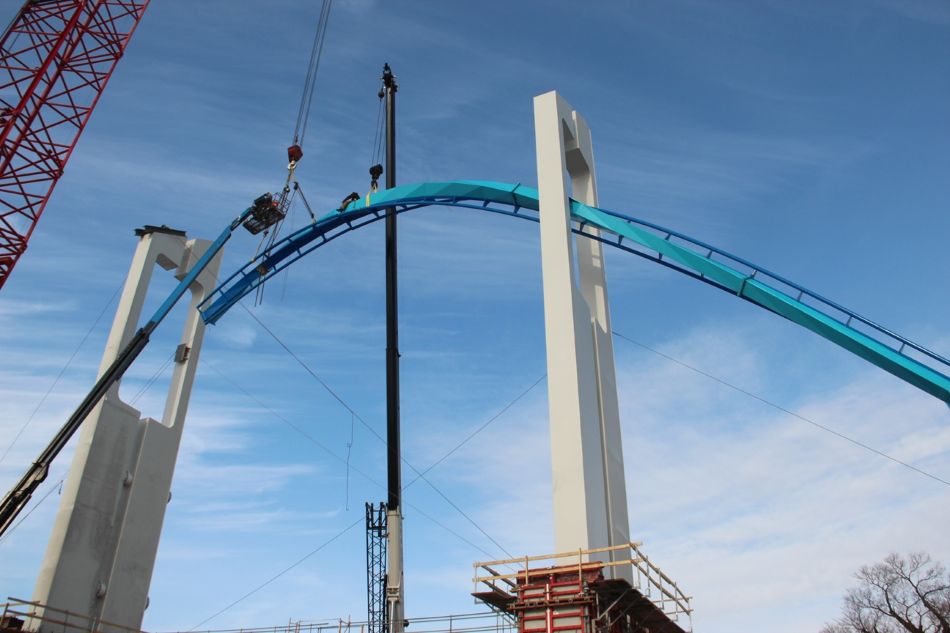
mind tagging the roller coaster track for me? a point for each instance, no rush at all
(892, 352)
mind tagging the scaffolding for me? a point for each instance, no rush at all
(574, 592)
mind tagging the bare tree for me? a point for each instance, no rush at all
(896, 595)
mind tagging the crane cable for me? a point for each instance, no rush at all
(306, 99)
(376, 168)
(295, 151)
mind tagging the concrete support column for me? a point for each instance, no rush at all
(590, 508)
(102, 549)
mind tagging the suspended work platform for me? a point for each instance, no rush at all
(572, 592)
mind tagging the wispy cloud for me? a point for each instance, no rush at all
(741, 503)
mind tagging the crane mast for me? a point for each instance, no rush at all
(56, 58)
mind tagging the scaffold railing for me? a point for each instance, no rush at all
(19, 614)
(483, 622)
(647, 577)
(69, 622)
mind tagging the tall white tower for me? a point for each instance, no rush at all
(590, 504)
(100, 555)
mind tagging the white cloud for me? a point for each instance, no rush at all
(746, 505)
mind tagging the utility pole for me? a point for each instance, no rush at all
(394, 577)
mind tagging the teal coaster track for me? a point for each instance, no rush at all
(892, 352)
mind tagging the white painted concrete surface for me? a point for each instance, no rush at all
(102, 549)
(590, 508)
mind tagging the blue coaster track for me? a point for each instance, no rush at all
(888, 350)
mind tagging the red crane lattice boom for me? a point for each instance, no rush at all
(55, 60)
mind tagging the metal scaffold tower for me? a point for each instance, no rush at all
(376, 537)
(56, 58)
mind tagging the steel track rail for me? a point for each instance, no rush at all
(892, 352)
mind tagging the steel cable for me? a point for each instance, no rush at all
(784, 410)
(342, 460)
(316, 53)
(61, 372)
(372, 430)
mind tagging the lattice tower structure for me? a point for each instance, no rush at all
(56, 58)
(377, 532)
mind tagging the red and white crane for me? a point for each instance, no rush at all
(56, 58)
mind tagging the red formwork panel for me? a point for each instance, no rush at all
(556, 599)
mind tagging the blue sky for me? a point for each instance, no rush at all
(809, 137)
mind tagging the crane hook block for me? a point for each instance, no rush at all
(294, 153)
(265, 212)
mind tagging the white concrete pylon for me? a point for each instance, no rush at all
(102, 549)
(590, 504)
